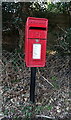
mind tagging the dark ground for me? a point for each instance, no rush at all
(52, 86)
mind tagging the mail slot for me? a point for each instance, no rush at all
(35, 41)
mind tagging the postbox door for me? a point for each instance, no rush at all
(36, 53)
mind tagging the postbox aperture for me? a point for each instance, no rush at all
(35, 41)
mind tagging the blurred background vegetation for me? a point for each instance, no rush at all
(14, 16)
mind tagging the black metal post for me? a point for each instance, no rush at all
(32, 84)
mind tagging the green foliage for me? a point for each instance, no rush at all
(6, 112)
(28, 111)
(68, 36)
(59, 7)
(64, 43)
(54, 82)
(13, 14)
(48, 107)
(38, 109)
(53, 78)
(56, 85)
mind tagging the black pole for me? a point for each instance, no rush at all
(32, 84)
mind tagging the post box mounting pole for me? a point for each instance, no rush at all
(32, 84)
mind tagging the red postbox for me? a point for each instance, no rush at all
(35, 41)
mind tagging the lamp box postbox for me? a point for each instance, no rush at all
(35, 41)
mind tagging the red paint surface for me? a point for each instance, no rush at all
(35, 33)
